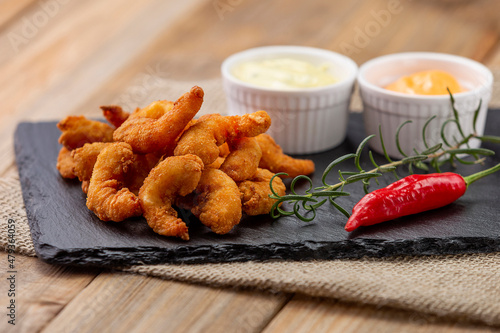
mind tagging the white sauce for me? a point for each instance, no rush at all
(283, 73)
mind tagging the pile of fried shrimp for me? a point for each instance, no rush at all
(157, 158)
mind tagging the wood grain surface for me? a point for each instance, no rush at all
(61, 57)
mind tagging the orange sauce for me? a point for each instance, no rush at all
(431, 82)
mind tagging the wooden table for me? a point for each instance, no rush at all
(68, 57)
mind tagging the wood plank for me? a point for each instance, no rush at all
(11, 9)
(51, 51)
(493, 59)
(41, 291)
(306, 314)
(10, 171)
(119, 302)
(79, 77)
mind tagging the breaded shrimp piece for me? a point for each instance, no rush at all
(139, 170)
(175, 176)
(155, 128)
(107, 196)
(78, 130)
(85, 158)
(243, 160)
(114, 114)
(217, 202)
(223, 152)
(255, 192)
(211, 131)
(66, 163)
(276, 161)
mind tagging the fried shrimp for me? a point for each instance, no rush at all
(276, 161)
(255, 192)
(85, 158)
(211, 131)
(155, 128)
(175, 176)
(217, 201)
(243, 159)
(78, 130)
(139, 170)
(107, 196)
(66, 163)
(114, 114)
(223, 152)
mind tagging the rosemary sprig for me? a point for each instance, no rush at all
(304, 205)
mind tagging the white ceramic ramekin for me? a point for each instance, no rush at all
(390, 109)
(303, 121)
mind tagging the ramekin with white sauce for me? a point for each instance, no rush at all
(305, 90)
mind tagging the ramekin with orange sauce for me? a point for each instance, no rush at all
(388, 108)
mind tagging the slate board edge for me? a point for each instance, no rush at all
(351, 249)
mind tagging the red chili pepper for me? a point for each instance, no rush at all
(411, 195)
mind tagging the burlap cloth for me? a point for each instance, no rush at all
(464, 287)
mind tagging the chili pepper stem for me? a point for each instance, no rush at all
(478, 175)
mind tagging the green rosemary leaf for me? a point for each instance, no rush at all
(276, 211)
(432, 149)
(410, 168)
(435, 164)
(388, 168)
(360, 149)
(489, 138)
(296, 210)
(382, 143)
(479, 151)
(412, 159)
(443, 127)
(372, 159)
(334, 163)
(476, 113)
(271, 182)
(284, 212)
(397, 137)
(366, 184)
(296, 179)
(468, 162)
(424, 130)
(451, 96)
(361, 176)
(421, 166)
(455, 114)
(339, 208)
(311, 207)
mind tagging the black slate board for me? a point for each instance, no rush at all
(64, 231)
